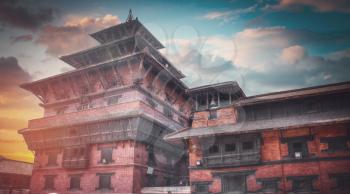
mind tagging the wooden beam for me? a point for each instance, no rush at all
(73, 85)
(117, 75)
(87, 81)
(43, 94)
(102, 79)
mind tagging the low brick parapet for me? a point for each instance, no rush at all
(166, 190)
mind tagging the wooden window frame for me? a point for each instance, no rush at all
(205, 184)
(71, 184)
(112, 100)
(231, 158)
(297, 179)
(335, 139)
(264, 181)
(168, 112)
(213, 115)
(225, 184)
(301, 139)
(109, 158)
(100, 184)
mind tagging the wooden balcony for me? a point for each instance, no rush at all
(235, 159)
(75, 163)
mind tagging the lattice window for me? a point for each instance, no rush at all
(247, 145)
(168, 112)
(113, 100)
(214, 149)
(230, 147)
(234, 184)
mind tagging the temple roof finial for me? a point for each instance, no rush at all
(130, 16)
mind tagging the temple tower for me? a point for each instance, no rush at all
(104, 121)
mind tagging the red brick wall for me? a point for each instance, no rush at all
(274, 163)
(130, 166)
(224, 116)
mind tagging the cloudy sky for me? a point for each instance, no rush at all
(266, 46)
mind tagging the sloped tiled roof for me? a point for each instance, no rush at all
(15, 167)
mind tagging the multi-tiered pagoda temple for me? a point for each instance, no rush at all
(104, 121)
(124, 122)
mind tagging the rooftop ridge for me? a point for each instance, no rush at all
(333, 87)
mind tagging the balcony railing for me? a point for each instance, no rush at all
(76, 163)
(232, 159)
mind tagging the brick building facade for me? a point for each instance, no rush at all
(104, 121)
(295, 141)
(123, 121)
(14, 176)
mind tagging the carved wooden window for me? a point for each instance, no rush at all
(297, 147)
(213, 114)
(231, 150)
(106, 155)
(74, 182)
(75, 157)
(336, 143)
(105, 181)
(230, 147)
(84, 90)
(247, 145)
(49, 182)
(168, 112)
(340, 144)
(214, 149)
(113, 100)
(52, 158)
(233, 184)
(84, 106)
